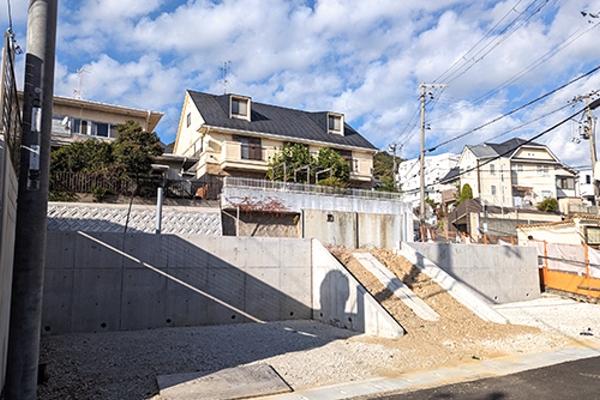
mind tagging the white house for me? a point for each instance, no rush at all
(585, 185)
(515, 173)
(436, 167)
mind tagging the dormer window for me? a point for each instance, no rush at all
(335, 123)
(240, 107)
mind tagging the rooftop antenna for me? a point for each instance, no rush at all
(77, 93)
(225, 69)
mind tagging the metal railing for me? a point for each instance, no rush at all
(249, 183)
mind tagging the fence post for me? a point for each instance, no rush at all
(586, 253)
(545, 256)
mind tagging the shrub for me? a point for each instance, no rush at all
(549, 204)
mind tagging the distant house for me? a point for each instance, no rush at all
(77, 119)
(436, 168)
(520, 174)
(232, 135)
(575, 230)
(585, 181)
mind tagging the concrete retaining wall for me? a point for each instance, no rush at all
(94, 282)
(8, 220)
(94, 217)
(501, 274)
(340, 300)
(353, 230)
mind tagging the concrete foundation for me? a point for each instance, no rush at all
(501, 274)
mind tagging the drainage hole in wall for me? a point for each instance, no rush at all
(96, 304)
(291, 313)
(321, 314)
(495, 298)
(168, 320)
(47, 328)
(233, 316)
(103, 325)
(349, 319)
(526, 294)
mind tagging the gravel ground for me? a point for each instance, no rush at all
(123, 365)
(552, 313)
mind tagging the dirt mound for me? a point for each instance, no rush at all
(458, 335)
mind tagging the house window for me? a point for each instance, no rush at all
(588, 179)
(250, 148)
(239, 107)
(493, 190)
(492, 169)
(565, 182)
(335, 123)
(520, 167)
(100, 129)
(188, 119)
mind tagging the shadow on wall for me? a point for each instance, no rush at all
(105, 281)
(334, 297)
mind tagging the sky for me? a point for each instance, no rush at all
(361, 58)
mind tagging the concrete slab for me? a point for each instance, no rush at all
(233, 383)
(396, 286)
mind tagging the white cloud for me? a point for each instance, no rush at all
(361, 58)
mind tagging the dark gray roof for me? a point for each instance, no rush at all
(452, 175)
(489, 150)
(281, 121)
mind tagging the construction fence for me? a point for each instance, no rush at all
(573, 269)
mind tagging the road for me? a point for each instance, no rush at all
(576, 380)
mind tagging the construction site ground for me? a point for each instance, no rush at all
(307, 353)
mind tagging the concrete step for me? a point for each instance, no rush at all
(396, 286)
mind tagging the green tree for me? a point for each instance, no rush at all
(466, 193)
(383, 171)
(549, 204)
(134, 149)
(293, 156)
(338, 165)
(87, 156)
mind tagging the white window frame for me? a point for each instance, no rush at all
(338, 116)
(248, 107)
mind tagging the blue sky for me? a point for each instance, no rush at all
(362, 58)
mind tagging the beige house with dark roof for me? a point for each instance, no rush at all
(233, 135)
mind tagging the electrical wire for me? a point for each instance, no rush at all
(513, 111)
(528, 141)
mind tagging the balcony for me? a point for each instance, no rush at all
(238, 155)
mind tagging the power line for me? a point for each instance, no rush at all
(513, 111)
(528, 141)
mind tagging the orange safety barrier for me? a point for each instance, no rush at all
(569, 282)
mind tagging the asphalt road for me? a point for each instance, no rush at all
(576, 380)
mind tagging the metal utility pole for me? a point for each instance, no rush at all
(423, 93)
(32, 203)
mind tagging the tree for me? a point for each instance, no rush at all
(549, 204)
(135, 148)
(383, 171)
(87, 156)
(293, 156)
(339, 167)
(466, 193)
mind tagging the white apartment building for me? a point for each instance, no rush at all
(436, 167)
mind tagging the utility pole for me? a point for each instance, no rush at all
(424, 92)
(32, 203)
(589, 133)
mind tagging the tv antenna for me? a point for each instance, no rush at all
(225, 70)
(77, 92)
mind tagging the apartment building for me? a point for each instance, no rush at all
(76, 119)
(232, 135)
(436, 168)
